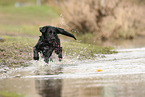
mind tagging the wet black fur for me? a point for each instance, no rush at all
(49, 42)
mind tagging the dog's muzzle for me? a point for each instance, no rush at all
(40, 28)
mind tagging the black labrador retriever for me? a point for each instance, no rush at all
(49, 42)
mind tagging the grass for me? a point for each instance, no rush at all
(9, 94)
(37, 11)
(25, 20)
(12, 2)
(19, 30)
(85, 51)
(16, 51)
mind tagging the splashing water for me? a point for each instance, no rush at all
(127, 61)
(116, 75)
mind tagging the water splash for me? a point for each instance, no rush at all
(127, 61)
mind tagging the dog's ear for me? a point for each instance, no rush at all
(63, 32)
(43, 29)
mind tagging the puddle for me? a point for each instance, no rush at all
(121, 75)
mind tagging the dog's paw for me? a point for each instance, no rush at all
(36, 58)
(46, 61)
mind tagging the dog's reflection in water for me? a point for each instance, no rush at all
(49, 87)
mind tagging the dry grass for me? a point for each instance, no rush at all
(112, 19)
(128, 23)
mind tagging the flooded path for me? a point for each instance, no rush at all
(121, 75)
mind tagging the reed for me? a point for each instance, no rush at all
(112, 19)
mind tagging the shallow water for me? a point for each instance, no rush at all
(121, 75)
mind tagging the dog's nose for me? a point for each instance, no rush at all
(40, 28)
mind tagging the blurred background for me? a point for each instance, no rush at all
(90, 20)
(100, 22)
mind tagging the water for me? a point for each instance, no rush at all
(121, 75)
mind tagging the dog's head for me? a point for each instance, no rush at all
(49, 33)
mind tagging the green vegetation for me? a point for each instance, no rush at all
(16, 51)
(9, 94)
(85, 51)
(12, 2)
(25, 20)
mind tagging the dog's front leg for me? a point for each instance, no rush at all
(58, 51)
(47, 52)
(36, 49)
(35, 54)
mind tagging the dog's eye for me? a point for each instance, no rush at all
(50, 32)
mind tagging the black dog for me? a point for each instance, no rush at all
(49, 42)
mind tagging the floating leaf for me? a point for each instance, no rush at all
(99, 70)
